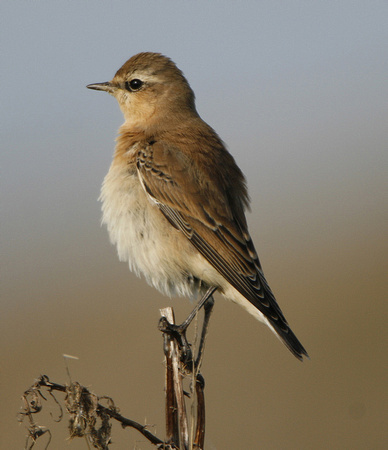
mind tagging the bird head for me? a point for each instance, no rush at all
(150, 89)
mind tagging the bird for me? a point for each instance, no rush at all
(174, 199)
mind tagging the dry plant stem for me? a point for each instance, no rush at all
(44, 381)
(176, 416)
(131, 423)
(173, 357)
(199, 440)
(178, 332)
(172, 421)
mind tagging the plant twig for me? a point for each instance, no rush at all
(176, 384)
(84, 408)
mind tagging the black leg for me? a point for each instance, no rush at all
(208, 308)
(184, 325)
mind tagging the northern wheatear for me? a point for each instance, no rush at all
(174, 199)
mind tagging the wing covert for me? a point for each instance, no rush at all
(220, 237)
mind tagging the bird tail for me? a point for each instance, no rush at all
(287, 336)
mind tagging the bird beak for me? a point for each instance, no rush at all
(107, 87)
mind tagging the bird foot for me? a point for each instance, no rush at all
(178, 333)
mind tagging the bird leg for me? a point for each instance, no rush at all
(208, 308)
(178, 332)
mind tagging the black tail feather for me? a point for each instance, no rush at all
(287, 336)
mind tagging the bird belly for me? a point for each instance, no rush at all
(147, 241)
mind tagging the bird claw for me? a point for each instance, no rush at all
(178, 333)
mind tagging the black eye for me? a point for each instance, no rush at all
(134, 85)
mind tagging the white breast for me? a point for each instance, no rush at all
(143, 237)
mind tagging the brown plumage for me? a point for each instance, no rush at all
(174, 198)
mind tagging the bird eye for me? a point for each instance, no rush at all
(134, 85)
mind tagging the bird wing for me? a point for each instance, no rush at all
(210, 214)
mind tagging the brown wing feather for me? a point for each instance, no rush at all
(215, 232)
(214, 222)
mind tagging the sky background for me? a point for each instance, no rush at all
(298, 91)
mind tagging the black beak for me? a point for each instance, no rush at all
(107, 87)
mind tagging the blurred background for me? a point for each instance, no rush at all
(298, 91)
